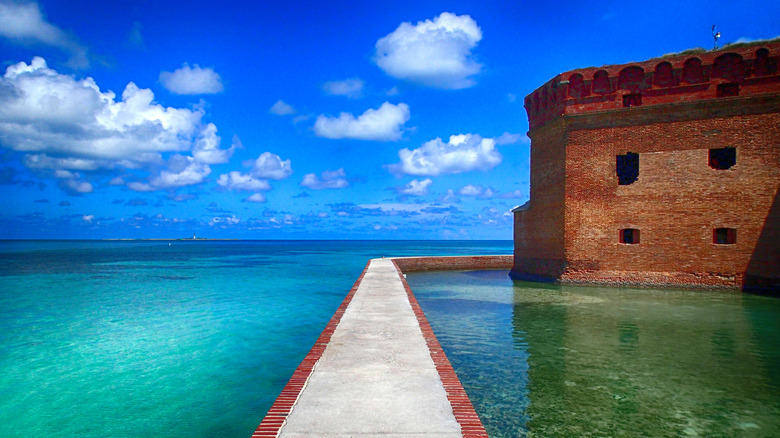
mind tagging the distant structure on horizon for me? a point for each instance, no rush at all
(661, 172)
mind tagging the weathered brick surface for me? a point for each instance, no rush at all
(577, 207)
(416, 264)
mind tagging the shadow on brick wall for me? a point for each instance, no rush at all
(763, 271)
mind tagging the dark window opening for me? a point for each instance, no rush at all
(724, 236)
(729, 89)
(627, 168)
(723, 158)
(629, 236)
(632, 100)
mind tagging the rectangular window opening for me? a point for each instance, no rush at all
(630, 100)
(724, 236)
(629, 236)
(725, 90)
(627, 168)
(723, 158)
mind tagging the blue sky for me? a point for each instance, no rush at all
(299, 119)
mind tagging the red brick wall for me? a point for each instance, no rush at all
(539, 239)
(742, 65)
(415, 264)
(570, 232)
(677, 200)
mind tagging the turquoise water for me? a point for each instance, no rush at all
(541, 360)
(147, 339)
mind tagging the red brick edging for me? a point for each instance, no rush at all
(470, 424)
(277, 414)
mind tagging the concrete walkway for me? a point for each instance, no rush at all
(376, 376)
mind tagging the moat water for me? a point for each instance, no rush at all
(541, 360)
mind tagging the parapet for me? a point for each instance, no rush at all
(737, 70)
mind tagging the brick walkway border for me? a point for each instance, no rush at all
(470, 424)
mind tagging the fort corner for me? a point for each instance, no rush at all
(661, 172)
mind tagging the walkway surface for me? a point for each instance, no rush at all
(373, 373)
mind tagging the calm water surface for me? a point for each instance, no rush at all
(555, 361)
(147, 339)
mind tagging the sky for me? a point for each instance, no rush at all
(300, 119)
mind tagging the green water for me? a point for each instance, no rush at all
(542, 360)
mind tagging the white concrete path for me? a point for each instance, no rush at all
(376, 377)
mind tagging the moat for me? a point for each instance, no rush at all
(543, 360)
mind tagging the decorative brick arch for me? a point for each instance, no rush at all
(664, 75)
(632, 78)
(693, 73)
(577, 86)
(601, 84)
(763, 66)
(729, 66)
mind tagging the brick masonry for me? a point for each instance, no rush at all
(471, 425)
(569, 231)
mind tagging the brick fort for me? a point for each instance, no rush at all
(662, 173)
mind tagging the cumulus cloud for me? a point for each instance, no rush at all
(192, 80)
(239, 181)
(476, 191)
(514, 194)
(328, 180)
(382, 124)
(352, 88)
(207, 149)
(181, 171)
(281, 108)
(67, 127)
(435, 53)
(24, 23)
(269, 166)
(257, 198)
(462, 153)
(416, 188)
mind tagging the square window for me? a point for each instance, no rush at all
(630, 100)
(627, 168)
(724, 236)
(725, 90)
(723, 158)
(629, 236)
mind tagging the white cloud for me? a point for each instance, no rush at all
(352, 88)
(476, 191)
(281, 108)
(508, 138)
(434, 53)
(329, 180)
(256, 198)
(59, 122)
(269, 166)
(88, 218)
(24, 23)
(192, 80)
(514, 194)
(76, 186)
(181, 171)
(416, 188)
(240, 181)
(463, 153)
(207, 149)
(382, 124)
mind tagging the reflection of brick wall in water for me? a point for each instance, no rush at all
(659, 172)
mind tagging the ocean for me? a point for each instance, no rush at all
(175, 339)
